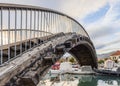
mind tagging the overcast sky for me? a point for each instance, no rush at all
(100, 18)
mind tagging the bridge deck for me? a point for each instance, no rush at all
(18, 64)
(9, 50)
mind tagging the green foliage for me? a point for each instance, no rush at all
(106, 59)
(101, 61)
(72, 60)
(61, 60)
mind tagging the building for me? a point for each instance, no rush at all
(115, 56)
(108, 64)
(65, 67)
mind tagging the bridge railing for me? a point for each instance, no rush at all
(19, 23)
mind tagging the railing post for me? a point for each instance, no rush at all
(9, 34)
(41, 24)
(44, 23)
(1, 34)
(38, 28)
(55, 24)
(52, 23)
(34, 25)
(21, 32)
(15, 30)
(26, 32)
(49, 23)
(30, 26)
(54, 31)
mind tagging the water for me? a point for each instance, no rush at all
(85, 80)
(90, 80)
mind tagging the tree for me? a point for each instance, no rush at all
(106, 59)
(101, 61)
(62, 60)
(72, 60)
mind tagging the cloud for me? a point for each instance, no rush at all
(113, 47)
(76, 8)
(81, 8)
(102, 31)
(108, 44)
(105, 31)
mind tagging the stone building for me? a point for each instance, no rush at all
(115, 56)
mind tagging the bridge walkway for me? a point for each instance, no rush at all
(17, 65)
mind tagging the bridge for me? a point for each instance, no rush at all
(34, 38)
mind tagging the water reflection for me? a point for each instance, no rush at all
(82, 80)
(98, 81)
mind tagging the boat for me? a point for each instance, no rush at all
(106, 72)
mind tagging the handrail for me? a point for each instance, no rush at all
(18, 6)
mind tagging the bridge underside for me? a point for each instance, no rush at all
(84, 55)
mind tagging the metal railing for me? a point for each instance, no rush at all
(20, 25)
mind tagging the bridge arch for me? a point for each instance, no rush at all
(85, 55)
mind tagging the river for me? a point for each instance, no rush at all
(81, 80)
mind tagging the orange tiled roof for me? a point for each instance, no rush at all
(116, 53)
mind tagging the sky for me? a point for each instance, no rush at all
(100, 18)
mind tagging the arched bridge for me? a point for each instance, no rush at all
(34, 38)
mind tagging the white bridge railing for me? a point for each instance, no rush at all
(21, 25)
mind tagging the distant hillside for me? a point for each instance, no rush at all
(105, 55)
